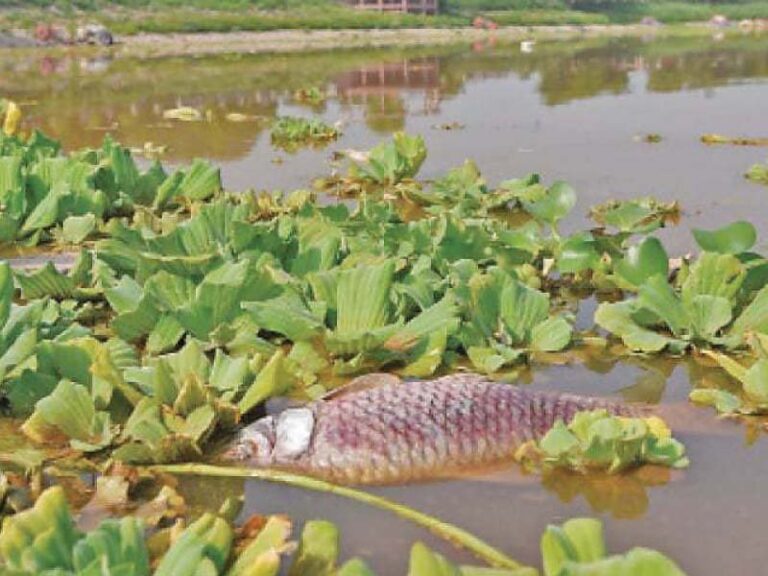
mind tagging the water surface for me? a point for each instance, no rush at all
(569, 110)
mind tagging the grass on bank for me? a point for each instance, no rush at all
(167, 16)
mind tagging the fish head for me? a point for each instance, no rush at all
(277, 439)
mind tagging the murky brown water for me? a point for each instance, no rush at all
(569, 110)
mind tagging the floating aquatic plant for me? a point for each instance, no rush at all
(578, 547)
(758, 173)
(734, 140)
(45, 194)
(45, 540)
(312, 95)
(707, 307)
(291, 132)
(752, 398)
(393, 161)
(595, 440)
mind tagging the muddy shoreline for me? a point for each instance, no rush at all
(287, 41)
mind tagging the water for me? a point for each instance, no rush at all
(570, 110)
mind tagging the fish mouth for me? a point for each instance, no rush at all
(275, 439)
(253, 443)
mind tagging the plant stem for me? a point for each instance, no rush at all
(444, 530)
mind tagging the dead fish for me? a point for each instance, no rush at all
(381, 431)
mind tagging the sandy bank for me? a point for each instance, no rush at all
(301, 40)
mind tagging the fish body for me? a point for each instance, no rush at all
(394, 433)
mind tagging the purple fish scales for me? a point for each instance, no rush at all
(404, 432)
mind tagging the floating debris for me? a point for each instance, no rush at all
(448, 126)
(651, 138)
(183, 114)
(735, 141)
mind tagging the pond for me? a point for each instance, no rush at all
(576, 110)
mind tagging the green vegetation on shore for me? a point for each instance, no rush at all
(167, 16)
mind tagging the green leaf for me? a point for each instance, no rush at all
(75, 229)
(46, 281)
(355, 567)
(754, 318)
(202, 549)
(553, 205)
(318, 550)
(643, 261)
(659, 297)
(724, 402)
(639, 216)
(578, 540)
(41, 538)
(714, 275)
(522, 309)
(137, 312)
(6, 292)
(286, 315)
(578, 253)
(756, 382)
(201, 181)
(115, 547)
(425, 562)
(391, 162)
(45, 214)
(708, 314)
(71, 410)
(617, 318)
(261, 556)
(272, 380)
(559, 441)
(551, 335)
(363, 298)
(733, 238)
(441, 317)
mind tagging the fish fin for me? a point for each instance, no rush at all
(361, 383)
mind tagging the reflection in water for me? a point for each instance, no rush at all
(380, 87)
(80, 99)
(623, 496)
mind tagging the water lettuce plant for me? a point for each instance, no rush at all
(392, 161)
(290, 132)
(312, 95)
(595, 440)
(507, 319)
(45, 540)
(282, 295)
(578, 547)
(46, 194)
(758, 173)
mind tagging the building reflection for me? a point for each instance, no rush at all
(382, 88)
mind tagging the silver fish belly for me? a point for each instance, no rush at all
(413, 431)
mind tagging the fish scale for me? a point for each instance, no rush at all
(396, 433)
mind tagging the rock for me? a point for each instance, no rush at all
(94, 34)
